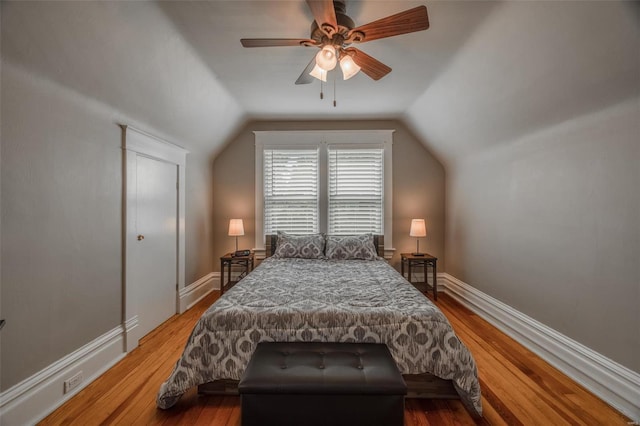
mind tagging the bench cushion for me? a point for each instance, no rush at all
(322, 368)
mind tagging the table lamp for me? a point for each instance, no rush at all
(236, 228)
(418, 229)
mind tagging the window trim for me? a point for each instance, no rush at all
(321, 139)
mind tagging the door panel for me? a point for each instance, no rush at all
(155, 250)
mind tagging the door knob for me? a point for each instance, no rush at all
(140, 237)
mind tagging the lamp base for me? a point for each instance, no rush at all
(417, 252)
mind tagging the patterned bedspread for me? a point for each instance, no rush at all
(323, 300)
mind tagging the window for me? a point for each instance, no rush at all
(338, 182)
(356, 191)
(291, 191)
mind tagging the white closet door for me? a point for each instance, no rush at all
(155, 250)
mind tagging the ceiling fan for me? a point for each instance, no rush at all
(334, 32)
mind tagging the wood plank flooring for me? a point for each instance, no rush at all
(518, 388)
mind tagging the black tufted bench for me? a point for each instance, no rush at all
(299, 383)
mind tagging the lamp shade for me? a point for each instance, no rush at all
(418, 228)
(326, 58)
(319, 73)
(236, 227)
(348, 66)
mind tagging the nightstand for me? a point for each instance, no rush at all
(227, 261)
(425, 260)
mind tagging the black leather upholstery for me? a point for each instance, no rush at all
(296, 383)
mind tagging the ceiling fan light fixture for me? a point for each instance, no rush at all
(333, 31)
(319, 73)
(326, 58)
(349, 67)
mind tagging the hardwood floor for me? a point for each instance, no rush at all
(518, 388)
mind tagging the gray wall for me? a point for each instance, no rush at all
(418, 186)
(550, 225)
(198, 210)
(61, 224)
(61, 183)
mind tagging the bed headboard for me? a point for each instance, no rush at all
(271, 240)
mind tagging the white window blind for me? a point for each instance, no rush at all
(356, 191)
(291, 191)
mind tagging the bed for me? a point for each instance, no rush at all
(317, 299)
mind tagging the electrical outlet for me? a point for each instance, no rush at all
(73, 382)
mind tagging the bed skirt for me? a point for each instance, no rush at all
(425, 386)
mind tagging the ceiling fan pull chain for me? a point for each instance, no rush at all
(334, 90)
(321, 94)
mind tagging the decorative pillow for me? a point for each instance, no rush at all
(351, 247)
(301, 246)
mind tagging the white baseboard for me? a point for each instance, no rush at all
(610, 381)
(33, 399)
(194, 292)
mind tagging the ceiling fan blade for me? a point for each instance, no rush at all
(368, 64)
(271, 42)
(305, 77)
(409, 21)
(325, 15)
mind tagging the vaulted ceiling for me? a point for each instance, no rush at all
(484, 73)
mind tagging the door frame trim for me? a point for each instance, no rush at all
(137, 142)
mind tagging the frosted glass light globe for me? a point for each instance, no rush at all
(326, 58)
(319, 73)
(349, 67)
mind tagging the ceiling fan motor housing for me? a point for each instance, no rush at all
(338, 38)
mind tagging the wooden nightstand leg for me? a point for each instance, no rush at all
(425, 269)
(435, 281)
(221, 277)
